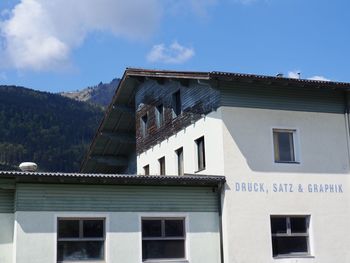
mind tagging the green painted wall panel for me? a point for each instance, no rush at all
(281, 98)
(69, 197)
(7, 200)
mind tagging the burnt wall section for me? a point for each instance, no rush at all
(197, 99)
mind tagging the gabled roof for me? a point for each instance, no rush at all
(115, 138)
(119, 179)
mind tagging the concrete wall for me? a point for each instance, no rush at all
(36, 236)
(210, 127)
(285, 189)
(6, 237)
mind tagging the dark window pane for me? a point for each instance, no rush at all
(146, 170)
(155, 249)
(176, 104)
(68, 228)
(159, 115)
(284, 147)
(82, 250)
(278, 225)
(151, 228)
(180, 161)
(200, 153)
(289, 245)
(162, 166)
(298, 225)
(93, 228)
(174, 228)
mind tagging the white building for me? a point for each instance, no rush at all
(282, 144)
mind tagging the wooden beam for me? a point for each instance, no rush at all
(121, 137)
(117, 160)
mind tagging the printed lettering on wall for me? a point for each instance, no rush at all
(255, 187)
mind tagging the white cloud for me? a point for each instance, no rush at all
(294, 74)
(173, 54)
(41, 34)
(321, 78)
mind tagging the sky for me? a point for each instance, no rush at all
(65, 45)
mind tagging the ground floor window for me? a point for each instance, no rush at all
(80, 239)
(163, 238)
(290, 235)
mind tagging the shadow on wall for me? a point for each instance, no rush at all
(320, 143)
(6, 228)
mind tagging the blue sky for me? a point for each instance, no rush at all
(62, 45)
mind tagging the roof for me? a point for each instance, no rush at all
(120, 179)
(115, 142)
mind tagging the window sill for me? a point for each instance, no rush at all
(166, 260)
(282, 162)
(293, 256)
(200, 170)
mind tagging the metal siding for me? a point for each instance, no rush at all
(113, 198)
(7, 201)
(281, 98)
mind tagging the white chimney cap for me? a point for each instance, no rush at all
(28, 167)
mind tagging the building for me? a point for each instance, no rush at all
(282, 144)
(53, 217)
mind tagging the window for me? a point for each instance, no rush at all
(162, 165)
(163, 238)
(284, 145)
(290, 235)
(144, 125)
(159, 115)
(200, 153)
(180, 161)
(176, 104)
(146, 169)
(80, 239)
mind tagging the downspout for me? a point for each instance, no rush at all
(220, 193)
(347, 123)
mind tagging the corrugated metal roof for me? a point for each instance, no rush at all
(231, 75)
(113, 178)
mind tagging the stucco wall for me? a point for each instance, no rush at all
(210, 127)
(248, 155)
(36, 236)
(6, 237)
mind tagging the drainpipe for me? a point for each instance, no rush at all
(221, 187)
(347, 123)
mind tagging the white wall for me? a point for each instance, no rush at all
(6, 237)
(248, 155)
(36, 236)
(210, 127)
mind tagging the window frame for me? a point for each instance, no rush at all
(144, 122)
(161, 161)
(296, 145)
(179, 153)
(201, 163)
(159, 114)
(146, 170)
(81, 238)
(176, 104)
(163, 219)
(289, 233)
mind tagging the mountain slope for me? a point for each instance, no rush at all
(100, 94)
(45, 128)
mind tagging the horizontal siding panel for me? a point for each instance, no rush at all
(281, 98)
(114, 198)
(7, 200)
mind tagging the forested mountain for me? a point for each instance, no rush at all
(48, 129)
(100, 94)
